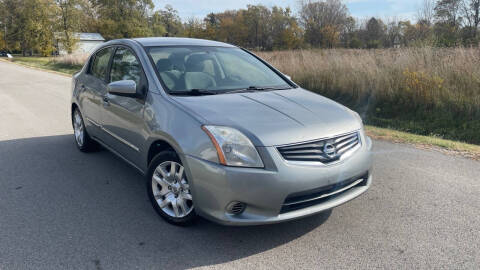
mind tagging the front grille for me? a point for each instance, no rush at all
(309, 198)
(325, 151)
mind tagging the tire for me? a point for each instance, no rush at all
(83, 141)
(170, 193)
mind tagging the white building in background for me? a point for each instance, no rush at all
(85, 42)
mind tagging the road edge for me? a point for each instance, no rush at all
(37, 68)
(437, 144)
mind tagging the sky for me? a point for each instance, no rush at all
(401, 9)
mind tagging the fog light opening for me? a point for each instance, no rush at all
(236, 208)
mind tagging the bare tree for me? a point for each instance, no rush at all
(449, 11)
(66, 9)
(426, 13)
(471, 13)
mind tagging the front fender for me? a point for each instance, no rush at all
(168, 122)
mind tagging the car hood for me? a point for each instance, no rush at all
(273, 118)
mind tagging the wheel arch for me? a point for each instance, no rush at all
(157, 146)
(73, 107)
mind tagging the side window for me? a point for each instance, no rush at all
(125, 66)
(100, 63)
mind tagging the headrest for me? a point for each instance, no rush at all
(196, 63)
(178, 61)
(164, 65)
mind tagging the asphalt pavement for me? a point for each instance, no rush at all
(62, 209)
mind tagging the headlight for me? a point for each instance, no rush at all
(233, 148)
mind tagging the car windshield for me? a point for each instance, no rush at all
(213, 69)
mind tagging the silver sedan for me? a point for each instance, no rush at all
(218, 132)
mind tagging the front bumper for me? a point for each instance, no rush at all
(264, 191)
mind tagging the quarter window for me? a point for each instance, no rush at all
(125, 66)
(100, 63)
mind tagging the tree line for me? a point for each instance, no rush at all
(31, 26)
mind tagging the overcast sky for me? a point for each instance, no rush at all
(402, 9)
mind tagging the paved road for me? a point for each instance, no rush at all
(63, 209)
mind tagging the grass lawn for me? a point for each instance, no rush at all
(426, 142)
(47, 63)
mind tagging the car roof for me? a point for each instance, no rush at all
(171, 41)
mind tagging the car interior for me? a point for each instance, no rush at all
(194, 71)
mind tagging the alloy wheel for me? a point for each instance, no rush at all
(171, 190)
(78, 128)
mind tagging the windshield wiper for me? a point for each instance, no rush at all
(194, 92)
(257, 88)
(204, 92)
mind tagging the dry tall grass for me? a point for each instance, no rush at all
(425, 90)
(71, 59)
(430, 91)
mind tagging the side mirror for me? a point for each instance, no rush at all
(122, 88)
(288, 77)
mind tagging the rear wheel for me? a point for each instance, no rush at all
(168, 189)
(82, 139)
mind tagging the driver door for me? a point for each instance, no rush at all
(122, 117)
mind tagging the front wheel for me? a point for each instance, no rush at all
(168, 189)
